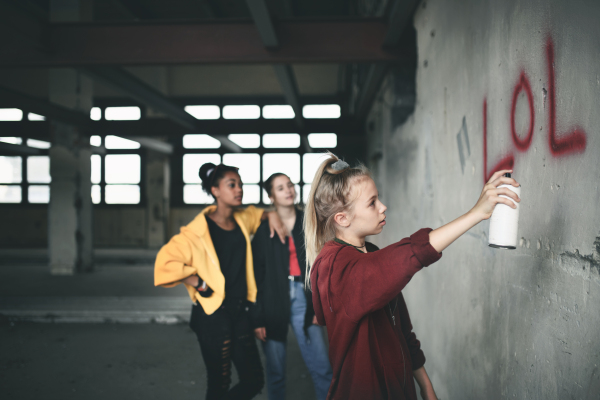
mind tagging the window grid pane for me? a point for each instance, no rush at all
(122, 168)
(38, 194)
(10, 169)
(10, 194)
(249, 165)
(38, 169)
(288, 164)
(281, 140)
(122, 194)
(193, 194)
(310, 165)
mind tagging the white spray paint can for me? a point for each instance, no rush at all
(504, 222)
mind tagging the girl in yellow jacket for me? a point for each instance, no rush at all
(212, 257)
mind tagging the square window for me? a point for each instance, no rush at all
(38, 169)
(288, 164)
(281, 140)
(193, 194)
(39, 194)
(241, 112)
(321, 111)
(204, 112)
(96, 194)
(10, 170)
(122, 113)
(122, 194)
(251, 194)
(200, 141)
(310, 165)
(278, 112)
(192, 164)
(10, 194)
(322, 140)
(249, 165)
(246, 140)
(122, 168)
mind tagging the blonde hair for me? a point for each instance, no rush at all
(329, 195)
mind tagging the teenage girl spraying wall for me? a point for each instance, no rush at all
(212, 257)
(282, 299)
(357, 288)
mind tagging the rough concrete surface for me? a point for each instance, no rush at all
(500, 324)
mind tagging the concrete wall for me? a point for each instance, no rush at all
(499, 324)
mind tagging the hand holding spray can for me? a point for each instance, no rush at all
(504, 222)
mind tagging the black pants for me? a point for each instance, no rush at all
(227, 336)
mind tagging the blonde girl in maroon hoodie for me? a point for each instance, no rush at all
(357, 288)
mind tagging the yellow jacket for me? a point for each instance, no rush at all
(192, 252)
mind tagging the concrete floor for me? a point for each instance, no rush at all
(106, 359)
(115, 361)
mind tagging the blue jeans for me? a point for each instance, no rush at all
(313, 349)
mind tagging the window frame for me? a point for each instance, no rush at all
(24, 184)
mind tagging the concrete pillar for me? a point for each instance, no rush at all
(70, 209)
(157, 196)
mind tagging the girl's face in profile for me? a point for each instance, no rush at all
(230, 190)
(283, 192)
(367, 216)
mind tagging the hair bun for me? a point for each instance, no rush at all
(205, 170)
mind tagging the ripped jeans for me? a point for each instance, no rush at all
(227, 336)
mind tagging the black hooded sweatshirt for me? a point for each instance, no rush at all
(271, 270)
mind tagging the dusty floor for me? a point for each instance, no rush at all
(114, 361)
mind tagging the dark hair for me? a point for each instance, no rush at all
(212, 174)
(268, 184)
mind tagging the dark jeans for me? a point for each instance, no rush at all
(227, 336)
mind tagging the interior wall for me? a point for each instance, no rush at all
(525, 75)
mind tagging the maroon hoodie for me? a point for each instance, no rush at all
(354, 294)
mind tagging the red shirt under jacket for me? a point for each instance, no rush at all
(371, 358)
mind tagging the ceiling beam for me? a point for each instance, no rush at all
(152, 144)
(284, 72)
(264, 24)
(131, 86)
(357, 40)
(43, 107)
(288, 84)
(18, 149)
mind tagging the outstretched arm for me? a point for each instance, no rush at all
(443, 237)
(427, 392)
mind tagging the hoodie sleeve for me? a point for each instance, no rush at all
(173, 262)
(417, 357)
(257, 313)
(367, 282)
(252, 217)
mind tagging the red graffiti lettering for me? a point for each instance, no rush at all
(573, 142)
(506, 163)
(576, 140)
(523, 84)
